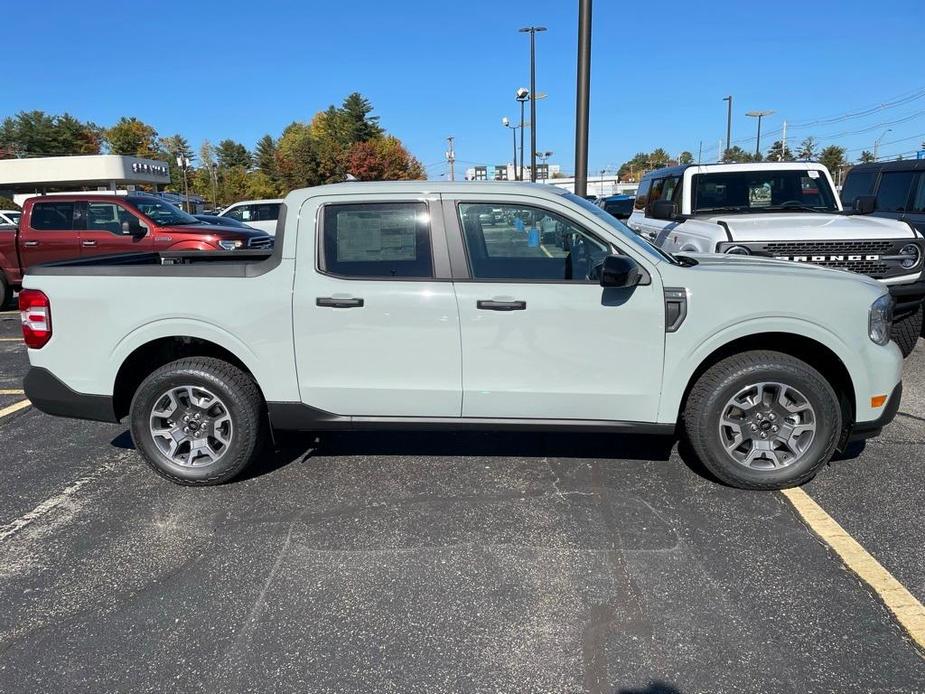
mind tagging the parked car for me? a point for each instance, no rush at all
(10, 217)
(64, 227)
(389, 305)
(215, 220)
(896, 189)
(259, 214)
(788, 211)
(620, 206)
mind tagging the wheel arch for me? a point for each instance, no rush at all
(809, 350)
(152, 355)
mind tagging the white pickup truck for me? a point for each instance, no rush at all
(788, 211)
(392, 305)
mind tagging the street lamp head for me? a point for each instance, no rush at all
(522, 94)
(527, 30)
(760, 114)
(506, 122)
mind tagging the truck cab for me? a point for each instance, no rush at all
(786, 211)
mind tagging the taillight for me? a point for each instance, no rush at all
(35, 313)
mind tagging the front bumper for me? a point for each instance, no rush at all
(908, 297)
(868, 430)
(50, 395)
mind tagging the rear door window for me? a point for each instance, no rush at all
(893, 194)
(377, 240)
(268, 212)
(53, 216)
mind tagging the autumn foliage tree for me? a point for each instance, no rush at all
(383, 159)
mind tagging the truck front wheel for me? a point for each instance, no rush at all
(198, 421)
(762, 420)
(906, 331)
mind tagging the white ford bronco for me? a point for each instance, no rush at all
(396, 305)
(788, 211)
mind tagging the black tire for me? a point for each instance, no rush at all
(237, 391)
(716, 386)
(6, 292)
(907, 330)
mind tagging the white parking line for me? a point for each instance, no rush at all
(9, 313)
(11, 391)
(10, 339)
(15, 407)
(43, 508)
(908, 611)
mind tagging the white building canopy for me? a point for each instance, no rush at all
(112, 171)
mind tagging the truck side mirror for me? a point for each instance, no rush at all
(620, 271)
(663, 209)
(864, 204)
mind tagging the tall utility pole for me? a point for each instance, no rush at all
(532, 31)
(759, 115)
(877, 143)
(451, 157)
(728, 127)
(783, 142)
(583, 97)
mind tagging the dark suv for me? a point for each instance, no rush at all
(899, 188)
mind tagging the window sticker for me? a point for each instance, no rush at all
(813, 174)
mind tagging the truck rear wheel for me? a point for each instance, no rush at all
(762, 420)
(907, 330)
(198, 421)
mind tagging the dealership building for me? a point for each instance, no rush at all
(24, 178)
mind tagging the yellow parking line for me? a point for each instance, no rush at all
(905, 607)
(11, 391)
(9, 313)
(15, 407)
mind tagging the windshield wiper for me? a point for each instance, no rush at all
(793, 206)
(729, 208)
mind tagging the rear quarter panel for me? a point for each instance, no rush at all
(98, 321)
(9, 255)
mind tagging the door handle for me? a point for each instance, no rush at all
(88, 244)
(332, 302)
(30, 244)
(493, 305)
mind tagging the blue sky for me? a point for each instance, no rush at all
(432, 69)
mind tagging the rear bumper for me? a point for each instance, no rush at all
(907, 297)
(868, 430)
(50, 395)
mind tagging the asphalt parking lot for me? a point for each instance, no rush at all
(445, 562)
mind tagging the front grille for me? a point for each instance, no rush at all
(875, 258)
(260, 242)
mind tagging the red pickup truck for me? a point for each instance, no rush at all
(65, 227)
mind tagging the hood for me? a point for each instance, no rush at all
(811, 226)
(217, 230)
(761, 269)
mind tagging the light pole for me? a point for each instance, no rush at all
(213, 174)
(877, 142)
(759, 115)
(545, 156)
(532, 31)
(506, 122)
(582, 97)
(728, 126)
(603, 171)
(522, 95)
(183, 163)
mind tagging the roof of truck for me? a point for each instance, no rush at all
(725, 167)
(424, 187)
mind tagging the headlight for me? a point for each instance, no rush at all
(737, 250)
(230, 245)
(880, 321)
(911, 255)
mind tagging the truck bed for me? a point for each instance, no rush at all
(168, 264)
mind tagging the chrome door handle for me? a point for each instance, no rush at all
(332, 302)
(88, 244)
(492, 305)
(30, 244)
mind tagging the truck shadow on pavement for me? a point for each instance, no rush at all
(292, 447)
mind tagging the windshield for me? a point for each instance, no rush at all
(163, 213)
(773, 190)
(621, 229)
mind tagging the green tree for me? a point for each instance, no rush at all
(7, 204)
(383, 159)
(38, 133)
(808, 148)
(659, 158)
(866, 157)
(265, 156)
(778, 152)
(685, 158)
(132, 137)
(297, 157)
(833, 158)
(737, 155)
(360, 126)
(231, 153)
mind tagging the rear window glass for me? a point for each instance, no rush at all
(52, 216)
(387, 240)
